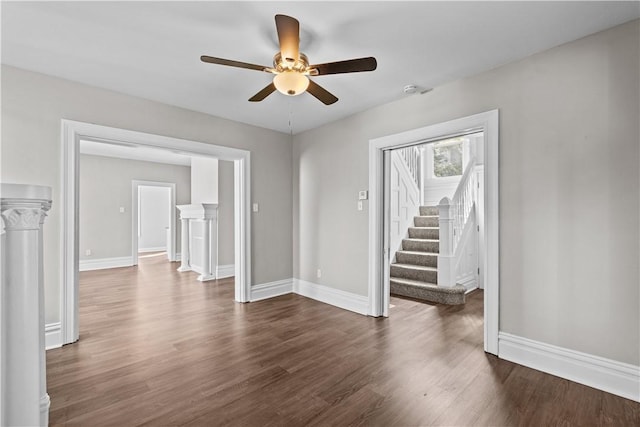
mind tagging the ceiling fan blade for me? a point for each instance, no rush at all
(263, 93)
(230, 63)
(326, 97)
(289, 36)
(348, 66)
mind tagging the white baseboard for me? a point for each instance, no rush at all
(325, 294)
(52, 335)
(346, 300)
(158, 249)
(469, 281)
(614, 377)
(271, 289)
(223, 271)
(102, 263)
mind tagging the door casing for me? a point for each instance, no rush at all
(487, 122)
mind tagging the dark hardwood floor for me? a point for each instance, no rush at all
(159, 348)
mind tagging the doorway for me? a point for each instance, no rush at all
(153, 218)
(72, 133)
(432, 221)
(379, 250)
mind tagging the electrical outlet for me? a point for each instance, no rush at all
(319, 273)
(87, 252)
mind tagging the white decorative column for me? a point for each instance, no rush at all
(184, 243)
(24, 396)
(201, 246)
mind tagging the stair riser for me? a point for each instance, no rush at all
(417, 259)
(414, 274)
(429, 210)
(409, 245)
(426, 221)
(424, 233)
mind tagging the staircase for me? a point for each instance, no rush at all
(415, 272)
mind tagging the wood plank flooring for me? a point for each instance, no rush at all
(158, 348)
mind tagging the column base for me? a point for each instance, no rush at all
(45, 403)
(206, 277)
(181, 269)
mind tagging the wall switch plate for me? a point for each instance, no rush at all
(359, 205)
(363, 195)
(319, 273)
(87, 252)
(256, 208)
(121, 209)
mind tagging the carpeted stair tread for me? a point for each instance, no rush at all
(414, 272)
(421, 245)
(417, 258)
(427, 221)
(416, 267)
(428, 291)
(410, 252)
(417, 283)
(424, 232)
(429, 210)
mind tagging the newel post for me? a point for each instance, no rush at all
(24, 389)
(446, 269)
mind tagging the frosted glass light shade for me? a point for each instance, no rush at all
(291, 83)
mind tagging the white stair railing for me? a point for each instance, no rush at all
(411, 157)
(454, 214)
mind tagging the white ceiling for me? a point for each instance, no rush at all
(152, 49)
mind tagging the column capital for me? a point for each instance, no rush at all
(24, 207)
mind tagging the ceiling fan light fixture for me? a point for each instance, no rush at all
(291, 83)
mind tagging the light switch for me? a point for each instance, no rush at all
(359, 205)
(256, 208)
(121, 209)
(363, 195)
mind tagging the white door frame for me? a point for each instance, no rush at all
(135, 184)
(486, 122)
(72, 133)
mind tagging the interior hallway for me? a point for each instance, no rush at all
(159, 348)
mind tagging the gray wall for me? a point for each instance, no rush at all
(33, 105)
(105, 186)
(569, 198)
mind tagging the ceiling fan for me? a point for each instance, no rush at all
(291, 67)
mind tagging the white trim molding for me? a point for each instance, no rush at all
(271, 289)
(71, 134)
(621, 379)
(338, 298)
(223, 271)
(104, 263)
(487, 122)
(52, 335)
